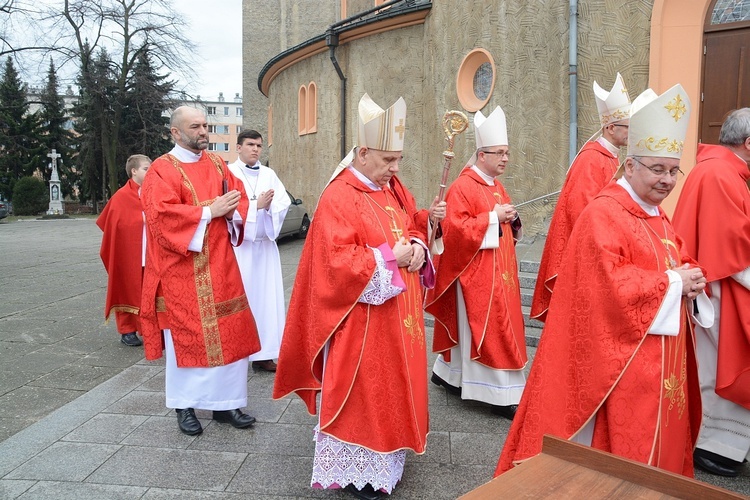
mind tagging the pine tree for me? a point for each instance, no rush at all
(54, 123)
(144, 130)
(20, 152)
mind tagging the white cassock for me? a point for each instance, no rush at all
(217, 388)
(258, 256)
(477, 381)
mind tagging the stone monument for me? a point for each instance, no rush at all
(55, 193)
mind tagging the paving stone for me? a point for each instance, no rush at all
(273, 439)
(140, 403)
(296, 413)
(440, 481)
(76, 376)
(10, 426)
(173, 494)
(59, 490)
(154, 384)
(265, 409)
(477, 418)
(65, 462)
(167, 468)
(33, 403)
(471, 448)
(10, 488)
(161, 432)
(261, 474)
(119, 355)
(438, 449)
(106, 428)
(13, 379)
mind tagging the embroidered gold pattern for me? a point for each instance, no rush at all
(125, 309)
(676, 107)
(616, 116)
(161, 305)
(231, 306)
(413, 330)
(652, 144)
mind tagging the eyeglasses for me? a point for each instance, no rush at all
(503, 154)
(660, 172)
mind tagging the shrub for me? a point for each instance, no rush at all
(30, 196)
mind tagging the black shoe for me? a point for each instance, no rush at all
(505, 411)
(452, 389)
(131, 339)
(716, 464)
(268, 365)
(188, 422)
(366, 493)
(234, 417)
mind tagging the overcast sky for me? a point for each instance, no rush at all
(216, 29)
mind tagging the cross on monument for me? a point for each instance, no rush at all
(54, 155)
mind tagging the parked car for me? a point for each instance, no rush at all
(4, 208)
(297, 220)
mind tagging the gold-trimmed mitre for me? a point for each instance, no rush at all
(658, 124)
(614, 105)
(381, 129)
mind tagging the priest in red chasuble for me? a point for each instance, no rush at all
(593, 168)
(616, 365)
(476, 302)
(123, 251)
(194, 307)
(355, 331)
(713, 216)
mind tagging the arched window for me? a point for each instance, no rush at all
(730, 11)
(312, 108)
(302, 111)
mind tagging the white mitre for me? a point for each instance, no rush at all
(614, 105)
(377, 129)
(489, 131)
(658, 124)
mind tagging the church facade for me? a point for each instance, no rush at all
(315, 59)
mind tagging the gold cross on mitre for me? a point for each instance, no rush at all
(400, 129)
(397, 232)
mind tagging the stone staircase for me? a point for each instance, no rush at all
(527, 280)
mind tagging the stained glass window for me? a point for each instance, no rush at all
(730, 11)
(483, 81)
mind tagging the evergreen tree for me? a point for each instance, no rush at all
(20, 153)
(144, 130)
(53, 120)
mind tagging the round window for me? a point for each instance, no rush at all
(475, 80)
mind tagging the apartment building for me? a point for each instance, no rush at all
(224, 123)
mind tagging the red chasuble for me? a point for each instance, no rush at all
(203, 303)
(713, 216)
(489, 278)
(374, 386)
(591, 171)
(595, 359)
(122, 249)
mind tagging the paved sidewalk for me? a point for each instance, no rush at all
(82, 416)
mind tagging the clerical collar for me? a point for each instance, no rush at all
(362, 177)
(255, 166)
(185, 155)
(649, 209)
(608, 146)
(488, 179)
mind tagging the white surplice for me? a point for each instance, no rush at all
(258, 256)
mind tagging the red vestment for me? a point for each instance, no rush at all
(488, 278)
(595, 358)
(374, 383)
(713, 217)
(122, 252)
(590, 172)
(204, 303)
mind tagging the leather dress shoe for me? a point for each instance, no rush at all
(452, 389)
(716, 464)
(131, 339)
(505, 411)
(268, 365)
(235, 417)
(188, 422)
(366, 493)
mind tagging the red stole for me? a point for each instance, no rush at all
(590, 172)
(713, 216)
(122, 249)
(488, 278)
(374, 389)
(203, 298)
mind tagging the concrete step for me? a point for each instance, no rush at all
(527, 280)
(528, 321)
(529, 266)
(533, 334)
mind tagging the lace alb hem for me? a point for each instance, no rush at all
(379, 289)
(338, 464)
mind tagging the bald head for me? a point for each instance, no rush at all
(189, 128)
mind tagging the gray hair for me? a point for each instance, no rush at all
(736, 128)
